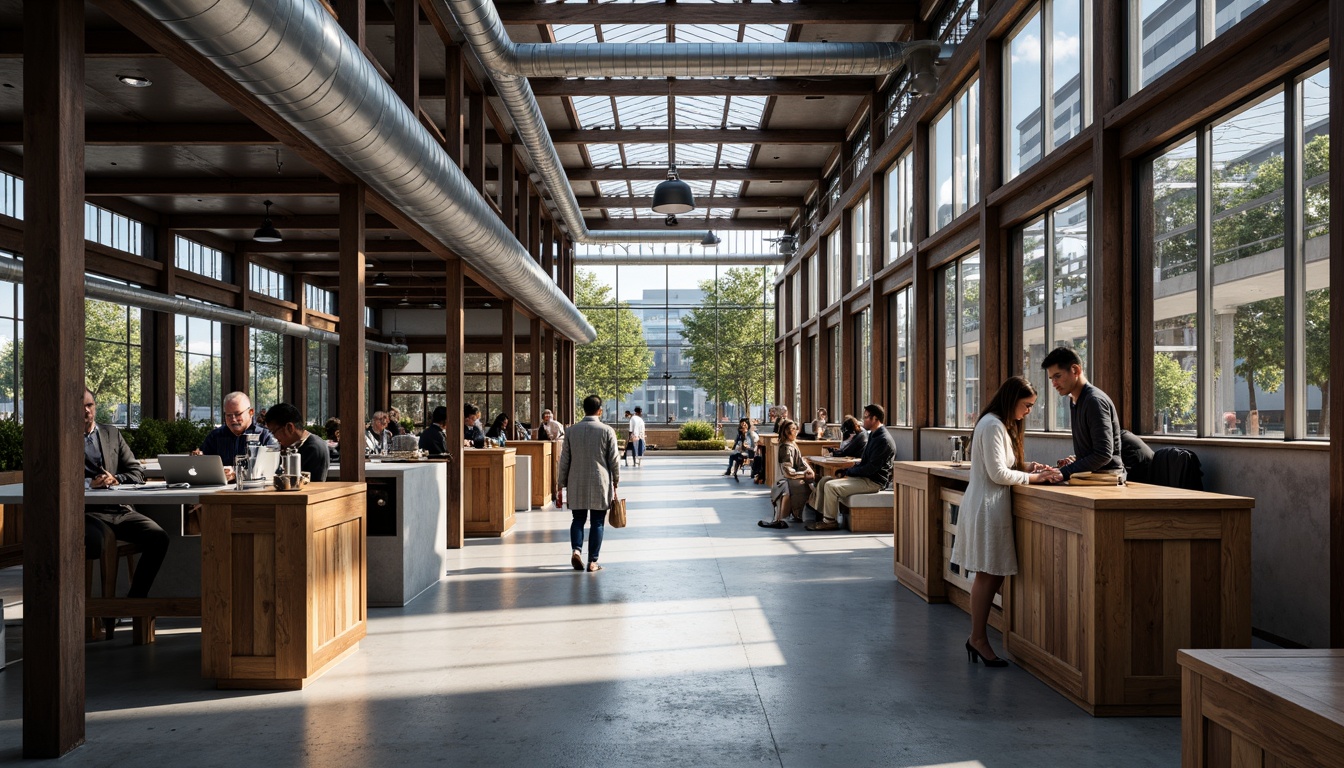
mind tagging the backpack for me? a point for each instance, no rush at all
(1176, 468)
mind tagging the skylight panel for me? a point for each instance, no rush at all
(621, 213)
(575, 33)
(697, 154)
(647, 154)
(634, 33)
(735, 155)
(746, 111)
(594, 111)
(642, 111)
(728, 188)
(604, 155)
(700, 111)
(613, 188)
(706, 33)
(644, 188)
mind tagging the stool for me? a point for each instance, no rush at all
(113, 551)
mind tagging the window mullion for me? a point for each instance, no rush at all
(1294, 270)
(1047, 78)
(1048, 310)
(1204, 397)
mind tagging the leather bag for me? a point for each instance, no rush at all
(616, 515)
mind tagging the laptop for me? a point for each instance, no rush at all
(192, 470)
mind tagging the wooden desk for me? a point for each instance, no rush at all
(282, 584)
(827, 466)
(543, 461)
(805, 447)
(1111, 581)
(487, 490)
(1262, 707)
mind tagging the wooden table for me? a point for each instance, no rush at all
(1262, 708)
(544, 461)
(282, 584)
(487, 490)
(827, 466)
(1111, 581)
(805, 447)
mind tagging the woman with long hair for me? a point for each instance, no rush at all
(795, 478)
(744, 447)
(499, 430)
(985, 543)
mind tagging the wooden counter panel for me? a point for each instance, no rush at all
(1133, 496)
(1045, 598)
(911, 517)
(487, 490)
(1159, 525)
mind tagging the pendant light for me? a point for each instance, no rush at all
(267, 233)
(673, 195)
(381, 280)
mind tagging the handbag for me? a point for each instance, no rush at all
(616, 515)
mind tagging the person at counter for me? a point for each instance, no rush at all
(229, 440)
(394, 422)
(870, 475)
(550, 429)
(286, 423)
(984, 542)
(1092, 417)
(108, 462)
(498, 433)
(472, 435)
(819, 425)
(333, 427)
(434, 439)
(378, 437)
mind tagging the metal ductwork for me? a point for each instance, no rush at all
(293, 56)
(508, 65)
(684, 259)
(12, 271)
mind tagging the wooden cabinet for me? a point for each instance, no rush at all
(487, 490)
(1262, 708)
(282, 584)
(544, 458)
(918, 551)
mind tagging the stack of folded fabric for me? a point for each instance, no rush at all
(1100, 477)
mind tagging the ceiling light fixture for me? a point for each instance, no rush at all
(267, 233)
(672, 195)
(405, 300)
(134, 81)
(381, 280)
(710, 240)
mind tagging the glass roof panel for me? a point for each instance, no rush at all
(613, 188)
(594, 111)
(604, 155)
(731, 188)
(644, 188)
(697, 154)
(646, 154)
(746, 111)
(642, 111)
(621, 213)
(700, 111)
(633, 33)
(736, 155)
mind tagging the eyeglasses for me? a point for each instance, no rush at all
(236, 414)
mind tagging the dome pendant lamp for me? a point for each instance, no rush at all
(267, 233)
(673, 195)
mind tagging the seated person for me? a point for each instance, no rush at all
(334, 439)
(108, 462)
(521, 431)
(744, 447)
(871, 474)
(378, 437)
(472, 434)
(853, 439)
(434, 439)
(498, 432)
(394, 424)
(1137, 456)
(550, 429)
(229, 441)
(286, 423)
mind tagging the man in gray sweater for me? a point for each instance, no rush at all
(1092, 416)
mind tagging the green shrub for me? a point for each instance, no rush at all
(149, 439)
(697, 430)
(701, 445)
(317, 429)
(184, 436)
(11, 446)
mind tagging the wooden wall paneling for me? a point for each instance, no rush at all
(53, 101)
(534, 348)
(1337, 321)
(454, 339)
(350, 354)
(508, 345)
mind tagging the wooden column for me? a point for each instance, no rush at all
(1337, 322)
(238, 350)
(922, 340)
(350, 302)
(525, 222)
(878, 348)
(454, 342)
(1111, 344)
(548, 374)
(162, 379)
(534, 356)
(476, 141)
(53, 243)
(453, 103)
(508, 184)
(298, 378)
(995, 255)
(350, 14)
(508, 346)
(406, 53)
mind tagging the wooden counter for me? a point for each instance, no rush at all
(487, 490)
(805, 447)
(543, 461)
(1111, 581)
(1262, 707)
(282, 584)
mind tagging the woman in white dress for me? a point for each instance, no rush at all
(984, 543)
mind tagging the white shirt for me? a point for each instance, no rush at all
(636, 428)
(552, 430)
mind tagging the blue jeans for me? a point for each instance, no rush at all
(598, 525)
(639, 447)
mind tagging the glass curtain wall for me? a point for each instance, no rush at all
(1046, 65)
(418, 384)
(900, 214)
(960, 364)
(266, 380)
(954, 147)
(1166, 32)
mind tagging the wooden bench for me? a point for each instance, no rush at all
(869, 512)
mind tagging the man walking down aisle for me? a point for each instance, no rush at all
(637, 434)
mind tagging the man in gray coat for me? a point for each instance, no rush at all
(589, 474)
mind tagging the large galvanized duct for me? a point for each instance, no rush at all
(293, 56)
(706, 259)
(11, 270)
(509, 64)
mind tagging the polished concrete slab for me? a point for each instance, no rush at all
(705, 641)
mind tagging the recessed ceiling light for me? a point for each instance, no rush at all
(813, 98)
(135, 81)
(776, 182)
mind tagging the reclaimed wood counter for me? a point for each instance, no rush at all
(543, 462)
(1262, 707)
(487, 490)
(1111, 582)
(282, 583)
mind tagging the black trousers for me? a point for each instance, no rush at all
(132, 527)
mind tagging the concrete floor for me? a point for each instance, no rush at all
(705, 641)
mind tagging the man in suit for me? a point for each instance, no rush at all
(435, 437)
(590, 476)
(472, 435)
(108, 462)
(871, 474)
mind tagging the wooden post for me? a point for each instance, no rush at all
(350, 14)
(1110, 348)
(238, 350)
(507, 347)
(406, 53)
(298, 369)
(995, 255)
(548, 372)
(525, 221)
(164, 335)
(476, 141)
(921, 322)
(350, 301)
(534, 348)
(1337, 322)
(455, 342)
(53, 170)
(508, 182)
(453, 103)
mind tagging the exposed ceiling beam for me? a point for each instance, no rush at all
(380, 247)
(98, 44)
(211, 186)
(887, 12)
(159, 134)
(829, 86)
(694, 174)
(704, 202)
(282, 222)
(655, 222)
(699, 136)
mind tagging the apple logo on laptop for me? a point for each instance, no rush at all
(191, 471)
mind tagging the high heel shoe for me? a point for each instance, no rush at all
(974, 656)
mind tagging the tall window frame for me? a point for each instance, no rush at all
(959, 352)
(900, 213)
(1047, 74)
(954, 157)
(199, 368)
(861, 265)
(1181, 29)
(900, 309)
(266, 374)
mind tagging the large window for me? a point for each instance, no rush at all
(1053, 261)
(954, 147)
(900, 208)
(268, 368)
(960, 365)
(863, 358)
(319, 299)
(112, 360)
(837, 377)
(835, 265)
(1245, 351)
(199, 373)
(200, 259)
(899, 311)
(11, 196)
(268, 282)
(1045, 66)
(796, 407)
(419, 384)
(810, 306)
(320, 407)
(113, 230)
(11, 347)
(1166, 32)
(861, 245)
